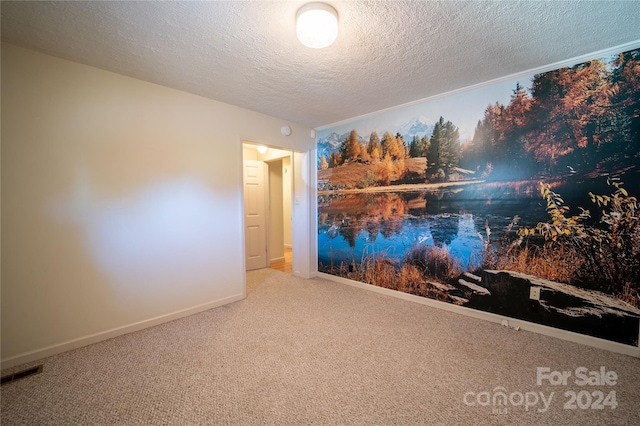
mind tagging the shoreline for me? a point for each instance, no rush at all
(405, 187)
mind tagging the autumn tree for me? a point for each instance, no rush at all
(373, 147)
(512, 127)
(486, 138)
(402, 146)
(499, 137)
(625, 90)
(364, 156)
(571, 120)
(351, 148)
(323, 163)
(391, 146)
(387, 140)
(477, 151)
(399, 168)
(385, 170)
(569, 106)
(335, 159)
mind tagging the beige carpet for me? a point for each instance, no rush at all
(299, 352)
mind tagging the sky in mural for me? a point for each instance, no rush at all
(462, 110)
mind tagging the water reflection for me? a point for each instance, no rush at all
(354, 226)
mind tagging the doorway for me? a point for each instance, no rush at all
(268, 239)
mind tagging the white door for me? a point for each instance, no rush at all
(255, 223)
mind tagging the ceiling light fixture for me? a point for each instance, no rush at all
(262, 149)
(317, 25)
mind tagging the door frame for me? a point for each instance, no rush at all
(301, 182)
(303, 209)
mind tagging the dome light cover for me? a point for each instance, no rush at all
(317, 25)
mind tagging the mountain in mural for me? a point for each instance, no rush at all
(328, 144)
(331, 143)
(417, 126)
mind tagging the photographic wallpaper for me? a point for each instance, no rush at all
(479, 197)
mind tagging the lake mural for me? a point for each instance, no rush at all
(477, 197)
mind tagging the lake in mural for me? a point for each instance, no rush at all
(474, 198)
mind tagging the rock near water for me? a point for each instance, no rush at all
(561, 305)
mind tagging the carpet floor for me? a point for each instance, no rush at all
(317, 352)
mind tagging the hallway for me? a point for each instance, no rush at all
(285, 265)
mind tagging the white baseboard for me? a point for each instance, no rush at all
(119, 331)
(571, 336)
(288, 245)
(276, 259)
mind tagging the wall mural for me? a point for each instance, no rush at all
(478, 197)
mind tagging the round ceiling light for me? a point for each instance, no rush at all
(317, 25)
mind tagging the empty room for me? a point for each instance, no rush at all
(341, 212)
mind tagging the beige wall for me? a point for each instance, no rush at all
(249, 153)
(121, 202)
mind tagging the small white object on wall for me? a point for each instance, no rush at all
(285, 130)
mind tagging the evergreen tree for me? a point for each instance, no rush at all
(413, 147)
(418, 147)
(402, 146)
(453, 147)
(444, 151)
(474, 157)
(438, 153)
(385, 143)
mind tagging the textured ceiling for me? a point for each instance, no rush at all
(388, 53)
